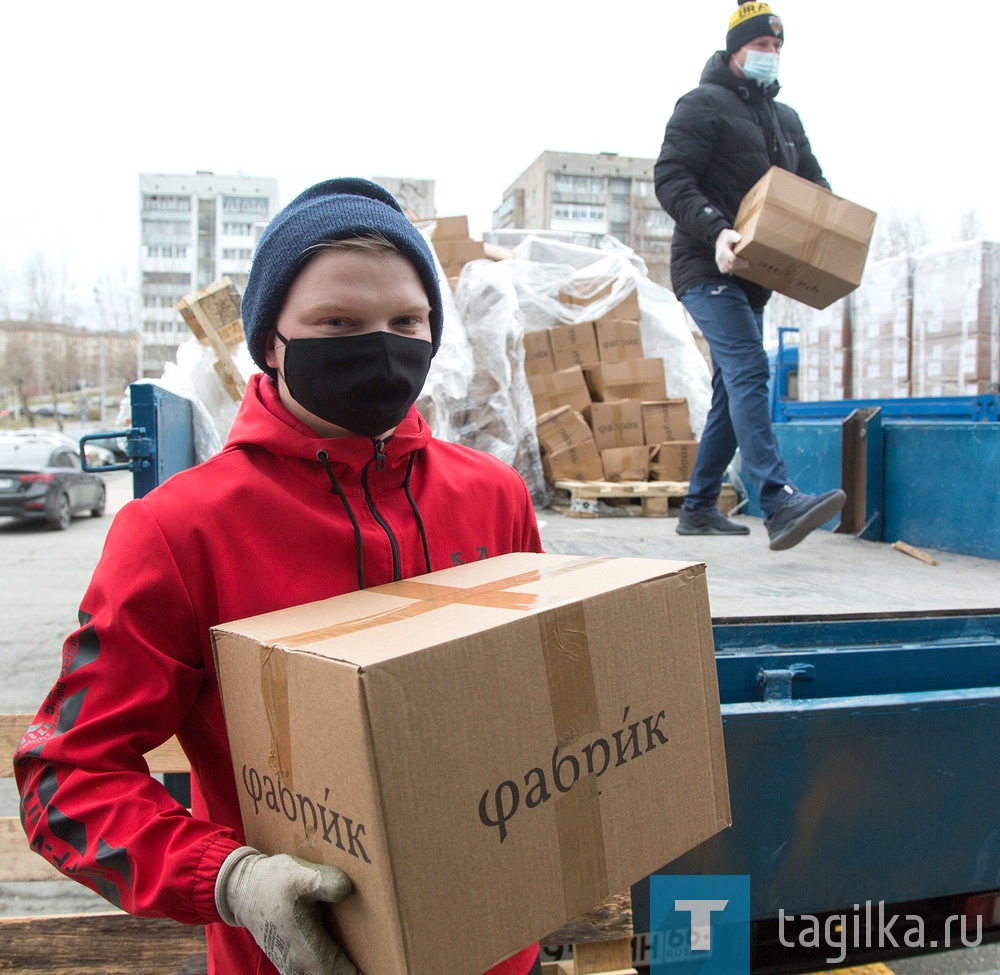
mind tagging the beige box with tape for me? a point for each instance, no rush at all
(801, 240)
(480, 784)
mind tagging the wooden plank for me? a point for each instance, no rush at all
(623, 489)
(168, 757)
(111, 944)
(916, 553)
(610, 920)
(213, 315)
(17, 861)
(605, 957)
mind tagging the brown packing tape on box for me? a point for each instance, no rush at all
(274, 690)
(571, 689)
(573, 697)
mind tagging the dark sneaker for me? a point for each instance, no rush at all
(798, 514)
(708, 521)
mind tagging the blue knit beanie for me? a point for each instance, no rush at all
(336, 209)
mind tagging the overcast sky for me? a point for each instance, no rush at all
(898, 100)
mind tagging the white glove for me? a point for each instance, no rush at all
(274, 898)
(725, 260)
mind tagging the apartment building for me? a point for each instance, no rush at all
(195, 228)
(588, 196)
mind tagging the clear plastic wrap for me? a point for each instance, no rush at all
(588, 271)
(193, 376)
(476, 392)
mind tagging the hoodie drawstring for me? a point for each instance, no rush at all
(335, 488)
(416, 512)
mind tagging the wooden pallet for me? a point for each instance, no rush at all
(650, 499)
(213, 315)
(591, 499)
(601, 940)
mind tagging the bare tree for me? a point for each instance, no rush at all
(60, 372)
(970, 225)
(899, 233)
(6, 295)
(116, 296)
(19, 370)
(48, 291)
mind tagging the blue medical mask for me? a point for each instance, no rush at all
(762, 66)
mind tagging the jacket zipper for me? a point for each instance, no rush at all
(379, 459)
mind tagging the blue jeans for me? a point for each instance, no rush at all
(740, 414)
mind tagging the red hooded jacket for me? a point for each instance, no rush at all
(262, 525)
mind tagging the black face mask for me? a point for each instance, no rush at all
(363, 383)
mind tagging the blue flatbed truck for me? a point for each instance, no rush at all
(860, 734)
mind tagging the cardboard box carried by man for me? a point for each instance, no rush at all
(801, 240)
(488, 751)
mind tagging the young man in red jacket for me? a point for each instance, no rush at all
(330, 481)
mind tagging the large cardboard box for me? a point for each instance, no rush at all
(455, 254)
(617, 423)
(626, 463)
(881, 328)
(618, 340)
(451, 228)
(537, 353)
(627, 309)
(574, 462)
(825, 353)
(630, 379)
(560, 428)
(574, 345)
(565, 387)
(956, 320)
(488, 751)
(673, 460)
(666, 419)
(801, 239)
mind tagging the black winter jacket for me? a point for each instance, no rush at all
(722, 137)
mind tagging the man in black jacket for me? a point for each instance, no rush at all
(722, 137)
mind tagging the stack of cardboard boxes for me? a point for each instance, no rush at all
(956, 321)
(454, 247)
(825, 363)
(881, 312)
(927, 325)
(602, 406)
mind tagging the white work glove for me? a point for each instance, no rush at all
(274, 898)
(725, 260)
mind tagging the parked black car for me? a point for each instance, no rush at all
(42, 480)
